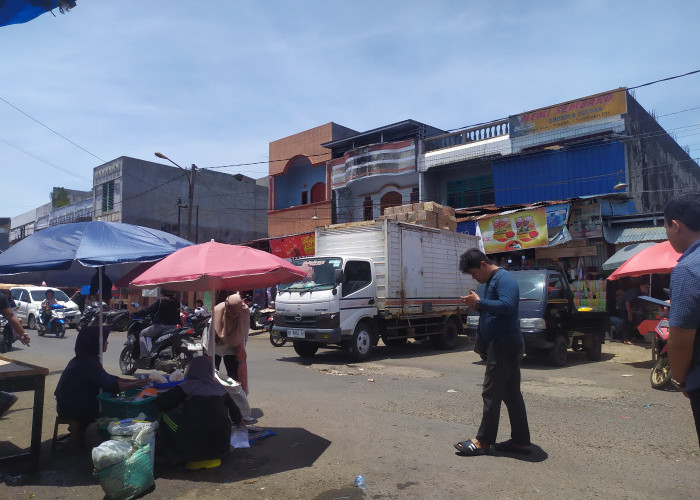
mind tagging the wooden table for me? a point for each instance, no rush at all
(16, 376)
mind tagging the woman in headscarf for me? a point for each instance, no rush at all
(196, 415)
(84, 376)
(230, 321)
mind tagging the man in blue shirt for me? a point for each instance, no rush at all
(499, 330)
(682, 223)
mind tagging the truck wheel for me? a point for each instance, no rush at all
(594, 351)
(557, 353)
(305, 349)
(448, 338)
(31, 322)
(661, 373)
(362, 341)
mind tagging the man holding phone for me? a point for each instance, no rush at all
(502, 340)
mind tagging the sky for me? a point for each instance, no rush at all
(214, 82)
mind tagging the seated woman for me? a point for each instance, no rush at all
(84, 376)
(196, 415)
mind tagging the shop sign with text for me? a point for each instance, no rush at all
(571, 113)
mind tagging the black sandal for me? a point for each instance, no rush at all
(467, 448)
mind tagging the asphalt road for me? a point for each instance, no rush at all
(599, 429)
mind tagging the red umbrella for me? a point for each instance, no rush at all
(658, 259)
(218, 266)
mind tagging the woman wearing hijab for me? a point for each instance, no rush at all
(196, 415)
(84, 376)
(230, 321)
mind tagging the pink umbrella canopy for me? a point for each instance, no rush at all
(218, 266)
(658, 259)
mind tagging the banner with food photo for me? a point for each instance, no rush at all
(514, 231)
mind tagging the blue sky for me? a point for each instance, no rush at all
(213, 82)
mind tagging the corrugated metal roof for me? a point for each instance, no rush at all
(621, 235)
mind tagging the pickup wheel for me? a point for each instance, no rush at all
(557, 353)
(362, 341)
(594, 351)
(305, 349)
(448, 338)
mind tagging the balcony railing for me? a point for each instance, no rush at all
(473, 134)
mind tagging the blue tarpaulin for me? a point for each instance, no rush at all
(22, 11)
(92, 244)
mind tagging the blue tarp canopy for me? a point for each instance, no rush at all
(22, 11)
(92, 244)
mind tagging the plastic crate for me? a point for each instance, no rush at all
(112, 407)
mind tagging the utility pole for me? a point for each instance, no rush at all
(190, 204)
(190, 195)
(180, 205)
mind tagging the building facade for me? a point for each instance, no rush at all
(226, 208)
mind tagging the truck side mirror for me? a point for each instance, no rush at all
(339, 276)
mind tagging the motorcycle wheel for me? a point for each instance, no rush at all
(254, 320)
(40, 330)
(661, 373)
(127, 363)
(183, 359)
(277, 341)
(121, 325)
(61, 331)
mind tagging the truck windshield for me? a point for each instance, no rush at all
(320, 274)
(531, 285)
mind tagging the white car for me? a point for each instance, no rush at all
(29, 299)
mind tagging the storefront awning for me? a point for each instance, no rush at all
(622, 235)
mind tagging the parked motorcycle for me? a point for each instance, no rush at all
(661, 372)
(254, 315)
(172, 350)
(118, 320)
(91, 315)
(56, 322)
(7, 338)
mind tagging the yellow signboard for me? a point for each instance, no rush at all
(569, 113)
(516, 231)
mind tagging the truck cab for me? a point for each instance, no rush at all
(549, 320)
(325, 306)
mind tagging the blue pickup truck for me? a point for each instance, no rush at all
(550, 322)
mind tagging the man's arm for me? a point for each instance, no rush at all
(680, 351)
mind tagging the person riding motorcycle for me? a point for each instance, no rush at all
(165, 313)
(46, 307)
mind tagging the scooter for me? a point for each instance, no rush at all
(56, 322)
(91, 314)
(276, 341)
(172, 350)
(661, 372)
(7, 338)
(118, 320)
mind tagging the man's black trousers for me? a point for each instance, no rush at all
(502, 384)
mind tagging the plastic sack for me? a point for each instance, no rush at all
(157, 377)
(110, 452)
(237, 394)
(130, 427)
(129, 478)
(239, 437)
(177, 375)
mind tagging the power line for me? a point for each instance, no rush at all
(64, 170)
(50, 129)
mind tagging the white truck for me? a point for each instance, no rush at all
(376, 279)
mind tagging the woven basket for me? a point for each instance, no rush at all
(129, 478)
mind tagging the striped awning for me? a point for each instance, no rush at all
(624, 235)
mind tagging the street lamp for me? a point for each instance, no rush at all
(190, 197)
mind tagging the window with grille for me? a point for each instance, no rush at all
(471, 192)
(368, 211)
(414, 195)
(108, 196)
